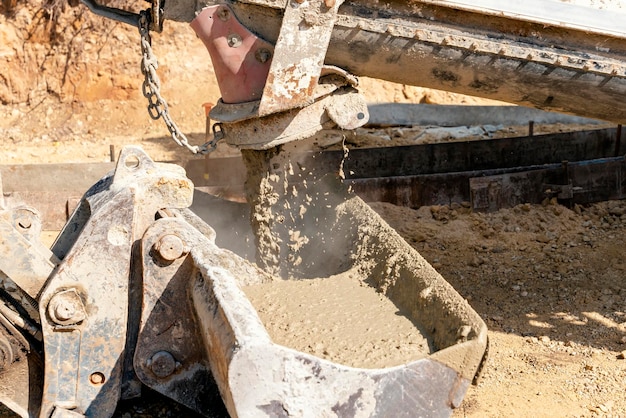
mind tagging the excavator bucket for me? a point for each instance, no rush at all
(139, 293)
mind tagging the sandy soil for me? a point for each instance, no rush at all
(548, 280)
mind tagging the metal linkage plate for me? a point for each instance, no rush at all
(85, 305)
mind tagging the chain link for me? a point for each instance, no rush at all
(151, 89)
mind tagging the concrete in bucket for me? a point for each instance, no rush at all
(337, 232)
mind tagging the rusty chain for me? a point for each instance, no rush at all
(151, 89)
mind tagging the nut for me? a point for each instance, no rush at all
(66, 308)
(64, 311)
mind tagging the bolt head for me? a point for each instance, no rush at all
(66, 308)
(162, 364)
(96, 378)
(234, 40)
(223, 13)
(170, 247)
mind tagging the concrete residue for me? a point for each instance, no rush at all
(311, 228)
(262, 198)
(339, 318)
(292, 206)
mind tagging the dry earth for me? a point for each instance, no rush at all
(548, 280)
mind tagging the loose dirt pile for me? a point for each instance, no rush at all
(548, 280)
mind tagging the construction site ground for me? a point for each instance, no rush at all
(547, 279)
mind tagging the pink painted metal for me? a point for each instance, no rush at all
(241, 60)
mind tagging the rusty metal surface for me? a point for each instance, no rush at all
(431, 174)
(343, 107)
(489, 154)
(481, 54)
(489, 190)
(299, 56)
(576, 182)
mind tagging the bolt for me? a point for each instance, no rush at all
(66, 308)
(24, 217)
(24, 223)
(162, 364)
(170, 247)
(96, 378)
(223, 13)
(234, 40)
(262, 55)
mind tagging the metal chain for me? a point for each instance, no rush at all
(151, 89)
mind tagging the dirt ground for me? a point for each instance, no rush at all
(547, 279)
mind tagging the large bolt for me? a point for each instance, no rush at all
(66, 308)
(162, 364)
(170, 247)
(64, 311)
